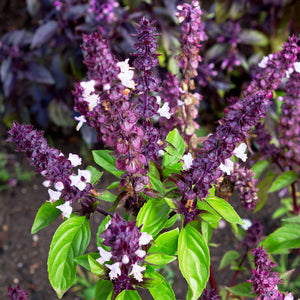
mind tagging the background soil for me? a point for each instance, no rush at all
(23, 257)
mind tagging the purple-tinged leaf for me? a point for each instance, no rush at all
(7, 76)
(44, 33)
(19, 38)
(37, 73)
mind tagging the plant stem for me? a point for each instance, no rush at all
(103, 212)
(212, 279)
(237, 273)
(294, 195)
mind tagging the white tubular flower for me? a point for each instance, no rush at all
(88, 89)
(227, 167)
(81, 120)
(126, 74)
(263, 63)
(114, 270)
(125, 259)
(164, 111)
(140, 253)
(247, 224)
(145, 239)
(46, 183)
(104, 256)
(137, 272)
(59, 185)
(289, 296)
(297, 67)
(78, 182)
(187, 161)
(54, 195)
(66, 209)
(240, 152)
(74, 159)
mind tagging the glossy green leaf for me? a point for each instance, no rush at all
(153, 216)
(212, 220)
(206, 231)
(194, 260)
(161, 291)
(96, 268)
(46, 214)
(69, 241)
(228, 258)
(171, 221)
(128, 295)
(104, 159)
(113, 185)
(244, 289)
(159, 259)
(175, 152)
(259, 167)
(84, 261)
(101, 228)
(224, 209)
(253, 37)
(295, 219)
(166, 242)
(283, 180)
(156, 184)
(104, 290)
(176, 168)
(285, 237)
(263, 187)
(95, 174)
(107, 196)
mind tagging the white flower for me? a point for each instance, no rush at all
(74, 159)
(92, 100)
(288, 72)
(107, 224)
(66, 209)
(297, 67)
(81, 120)
(240, 152)
(145, 238)
(227, 167)
(263, 63)
(247, 224)
(104, 256)
(289, 296)
(106, 87)
(180, 103)
(164, 111)
(59, 185)
(114, 270)
(54, 195)
(126, 75)
(76, 180)
(125, 259)
(187, 161)
(161, 153)
(46, 183)
(140, 253)
(136, 272)
(88, 93)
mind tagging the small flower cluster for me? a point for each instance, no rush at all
(254, 233)
(245, 182)
(17, 293)
(57, 169)
(103, 10)
(126, 254)
(210, 295)
(264, 280)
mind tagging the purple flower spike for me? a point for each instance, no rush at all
(17, 293)
(254, 233)
(126, 254)
(210, 295)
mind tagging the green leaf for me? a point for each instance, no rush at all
(166, 242)
(283, 180)
(107, 196)
(69, 241)
(104, 159)
(243, 289)
(113, 185)
(228, 258)
(46, 214)
(259, 167)
(153, 216)
(175, 152)
(224, 209)
(295, 219)
(194, 260)
(171, 221)
(206, 231)
(104, 290)
(128, 295)
(263, 187)
(159, 259)
(156, 183)
(161, 291)
(286, 237)
(253, 37)
(212, 220)
(176, 168)
(95, 174)
(95, 267)
(101, 228)
(84, 261)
